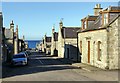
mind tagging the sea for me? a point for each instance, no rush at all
(32, 43)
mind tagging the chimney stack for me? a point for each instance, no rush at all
(12, 26)
(17, 31)
(53, 29)
(97, 9)
(61, 23)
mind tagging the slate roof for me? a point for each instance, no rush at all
(90, 17)
(97, 24)
(115, 8)
(69, 32)
(48, 39)
(111, 8)
(55, 36)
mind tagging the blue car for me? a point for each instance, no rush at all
(19, 59)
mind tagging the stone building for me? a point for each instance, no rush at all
(98, 41)
(26, 46)
(21, 45)
(43, 50)
(46, 45)
(67, 42)
(54, 42)
(12, 40)
(16, 41)
(39, 46)
(1, 25)
(9, 37)
(3, 46)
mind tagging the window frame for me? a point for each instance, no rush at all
(99, 51)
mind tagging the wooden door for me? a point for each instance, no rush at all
(88, 51)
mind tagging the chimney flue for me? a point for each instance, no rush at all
(97, 9)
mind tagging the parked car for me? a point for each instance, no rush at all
(25, 54)
(29, 53)
(19, 59)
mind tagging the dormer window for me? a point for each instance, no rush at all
(84, 25)
(105, 19)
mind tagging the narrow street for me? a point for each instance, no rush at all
(43, 68)
(47, 68)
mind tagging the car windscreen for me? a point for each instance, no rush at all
(19, 56)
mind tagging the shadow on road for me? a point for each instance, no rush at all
(37, 65)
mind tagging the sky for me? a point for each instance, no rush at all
(35, 19)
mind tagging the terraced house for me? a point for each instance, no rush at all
(46, 44)
(54, 42)
(67, 42)
(98, 41)
(4, 51)
(12, 41)
(1, 26)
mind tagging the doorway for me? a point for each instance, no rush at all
(88, 51)
(68, 53)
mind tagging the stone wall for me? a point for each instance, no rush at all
(94, 37)
(1, 34)
(16, 50)
(64, 45)
(119, 43)
(71, 45)
(113, 45)
(60, 46)
(54, 45)
(48, 49)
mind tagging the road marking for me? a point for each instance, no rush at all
(40, 62)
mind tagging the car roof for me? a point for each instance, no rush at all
(22, 53)
(18, 54)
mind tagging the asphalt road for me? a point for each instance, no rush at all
(43, 68)
(47, 68)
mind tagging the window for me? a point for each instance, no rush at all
(81, 47)
(99, 51)
(105, 18)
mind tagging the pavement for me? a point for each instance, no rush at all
(94, 71)
(80, 65)
(87, 67)
(83, 66)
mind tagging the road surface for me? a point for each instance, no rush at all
(47, 68)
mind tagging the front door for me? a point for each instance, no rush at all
(88, 51)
